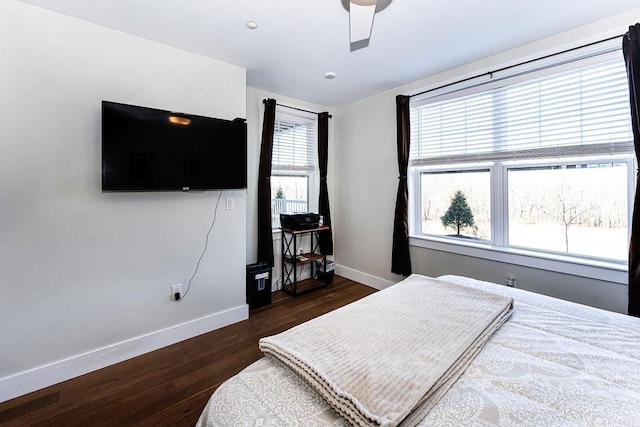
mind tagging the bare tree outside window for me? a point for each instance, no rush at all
(576, 209)
(570, 209)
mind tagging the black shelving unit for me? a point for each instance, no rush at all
(293, 261)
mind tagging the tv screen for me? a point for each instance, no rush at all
(146, 149)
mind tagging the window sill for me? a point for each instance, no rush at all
(599, 270)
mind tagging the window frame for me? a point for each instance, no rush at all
(312, 173)
(498, 250)
(297, 174)
(415, 176)
(627, 159)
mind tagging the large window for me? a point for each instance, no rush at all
(540, 163)
(294, 163)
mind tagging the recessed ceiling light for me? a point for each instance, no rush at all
(252, 25)
(329, 75)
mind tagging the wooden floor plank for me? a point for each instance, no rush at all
(36, 403)
(170, 386)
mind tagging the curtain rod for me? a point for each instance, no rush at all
(491, 73)
(264, 101)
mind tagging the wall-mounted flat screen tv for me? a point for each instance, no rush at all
(146, 149)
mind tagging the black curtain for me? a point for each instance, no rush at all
(265, 237)
(631, 52)
(400, 258)
(325, 239)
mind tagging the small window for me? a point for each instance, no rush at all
(289, 193)
(294, 170)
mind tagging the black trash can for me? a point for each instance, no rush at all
(258, 285)
(325, 274)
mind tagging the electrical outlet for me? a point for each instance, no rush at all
(176, 289)
(231, 204)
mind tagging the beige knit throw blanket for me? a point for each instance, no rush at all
(388, 358)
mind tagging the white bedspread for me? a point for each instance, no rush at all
(394, 352)
(554, 363)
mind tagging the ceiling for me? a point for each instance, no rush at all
(297, 41)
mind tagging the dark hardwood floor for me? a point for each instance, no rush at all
(170, 386)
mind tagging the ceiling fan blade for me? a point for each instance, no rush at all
(361, 14)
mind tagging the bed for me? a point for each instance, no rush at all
(552, 362)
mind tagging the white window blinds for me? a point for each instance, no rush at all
(577, 112)
(294, 142)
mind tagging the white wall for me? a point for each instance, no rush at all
(367, 179)
(85, 276)
(255, 113)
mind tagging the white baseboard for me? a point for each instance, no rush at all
(364, 278)
(56, 372)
